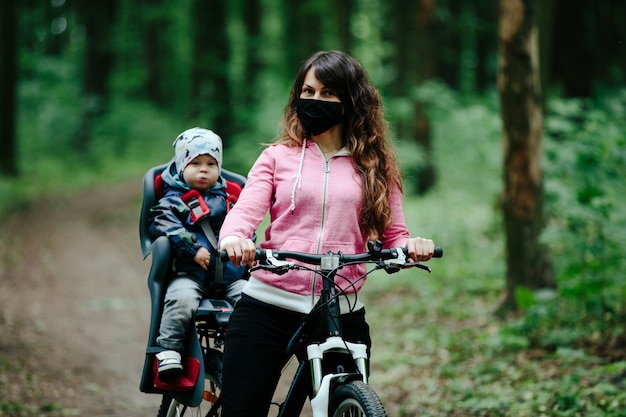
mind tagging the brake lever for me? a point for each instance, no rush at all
(420, 266)
(392, 268)
(278, 270)
(272, 264)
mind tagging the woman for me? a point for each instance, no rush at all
(331, 183)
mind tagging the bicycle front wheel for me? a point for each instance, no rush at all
(211, 405)
(355, 399)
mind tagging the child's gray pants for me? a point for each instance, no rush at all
(182, 298)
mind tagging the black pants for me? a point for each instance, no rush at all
(254, 353)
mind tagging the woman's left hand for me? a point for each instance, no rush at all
(420, 249)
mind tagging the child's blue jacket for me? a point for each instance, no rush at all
(171, 218)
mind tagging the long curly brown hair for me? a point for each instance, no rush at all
(364, 130)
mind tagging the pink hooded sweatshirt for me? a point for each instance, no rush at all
(314, 207)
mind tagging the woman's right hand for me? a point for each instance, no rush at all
(241, 252)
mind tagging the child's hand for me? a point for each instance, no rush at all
(203, 258)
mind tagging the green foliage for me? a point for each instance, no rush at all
(438, 348)
(129, 139)
(586, 229)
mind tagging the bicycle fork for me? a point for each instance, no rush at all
(322, 384)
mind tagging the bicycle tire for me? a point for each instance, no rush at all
(210, 405)
(355, 399)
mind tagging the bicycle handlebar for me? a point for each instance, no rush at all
(375, 253)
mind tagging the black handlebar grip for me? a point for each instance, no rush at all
(438, 252)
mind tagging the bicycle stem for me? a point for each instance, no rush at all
(328, 267)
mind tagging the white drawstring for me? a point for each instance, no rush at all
(298, 179)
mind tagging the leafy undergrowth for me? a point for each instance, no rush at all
(441, 351)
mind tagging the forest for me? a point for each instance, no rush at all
(524, 316)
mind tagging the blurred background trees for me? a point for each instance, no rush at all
(101, 88)
(218, 63)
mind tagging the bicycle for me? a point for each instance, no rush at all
(338, 368)
(338, 384)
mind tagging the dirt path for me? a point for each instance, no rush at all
(74, 307)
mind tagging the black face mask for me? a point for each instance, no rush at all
(317, 116)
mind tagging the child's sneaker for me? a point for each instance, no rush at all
(169, 362)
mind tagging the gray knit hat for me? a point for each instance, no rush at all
(194, 142)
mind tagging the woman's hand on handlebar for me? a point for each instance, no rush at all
(420, 249)
(241, 252)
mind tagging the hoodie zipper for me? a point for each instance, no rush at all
(322, 222)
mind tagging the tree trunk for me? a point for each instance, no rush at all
(404, 36)
(344, 17)
(518, 81)
(211, 89)
(425, 17)
(154, 21)
(573, 61)
(449, 44)
(97, 17)
(486, 14)
(8, 83)
(303, 29)
(413, 63)
(545, 20)
(587, 46)
(252, 13)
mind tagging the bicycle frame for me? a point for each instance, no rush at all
(320, 383)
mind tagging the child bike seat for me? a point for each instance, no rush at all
(160, 271)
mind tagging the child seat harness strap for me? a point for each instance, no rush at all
(199, 215)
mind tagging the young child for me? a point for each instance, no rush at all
(197, 166)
